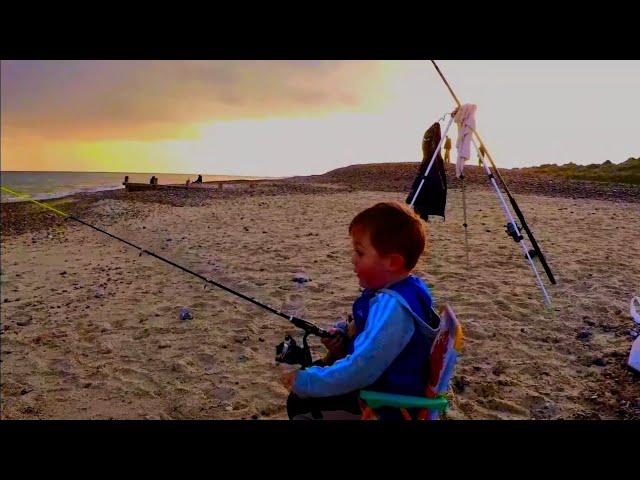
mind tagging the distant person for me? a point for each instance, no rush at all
(198, 180)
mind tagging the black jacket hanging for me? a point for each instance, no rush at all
(433, 194)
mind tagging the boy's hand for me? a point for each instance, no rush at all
(288, 378)
(336, 345)
(333, 343)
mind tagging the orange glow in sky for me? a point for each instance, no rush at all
(298, 118)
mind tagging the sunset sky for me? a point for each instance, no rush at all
(277, 118)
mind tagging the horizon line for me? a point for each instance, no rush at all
(135, 173)
(292, 175)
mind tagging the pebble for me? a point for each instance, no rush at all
(301, 278)
(600, 362)
(460, 383)
(23, 319)
(584, 335)
(106, 328)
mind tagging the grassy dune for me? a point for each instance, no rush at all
(625, 172)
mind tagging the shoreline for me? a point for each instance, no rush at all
(17, 218)
(57, 196)
(104, 188)
(398, 177)
(376, 177)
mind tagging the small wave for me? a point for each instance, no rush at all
(59, 194)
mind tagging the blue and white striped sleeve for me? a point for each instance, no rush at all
(388, 330)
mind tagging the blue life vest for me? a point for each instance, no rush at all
(407, 374)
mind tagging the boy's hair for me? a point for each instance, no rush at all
(393, 228)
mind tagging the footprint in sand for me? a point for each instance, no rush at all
(165, 309)
(506, 407)
(137, 377)
(62, 367)
(200, 305)
(294, 301)
(206, 359)
(223, 393)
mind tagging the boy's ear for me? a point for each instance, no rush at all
(395, 262)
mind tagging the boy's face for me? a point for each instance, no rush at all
(373, 270)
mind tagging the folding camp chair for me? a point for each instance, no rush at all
(442, 360)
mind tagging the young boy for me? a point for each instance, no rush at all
(387, 344)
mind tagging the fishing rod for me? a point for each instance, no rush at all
(287, 352)
(512, 200)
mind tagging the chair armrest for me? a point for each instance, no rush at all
(379, 399)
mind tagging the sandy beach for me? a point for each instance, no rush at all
(90, 329)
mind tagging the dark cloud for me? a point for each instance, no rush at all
(151, 99)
